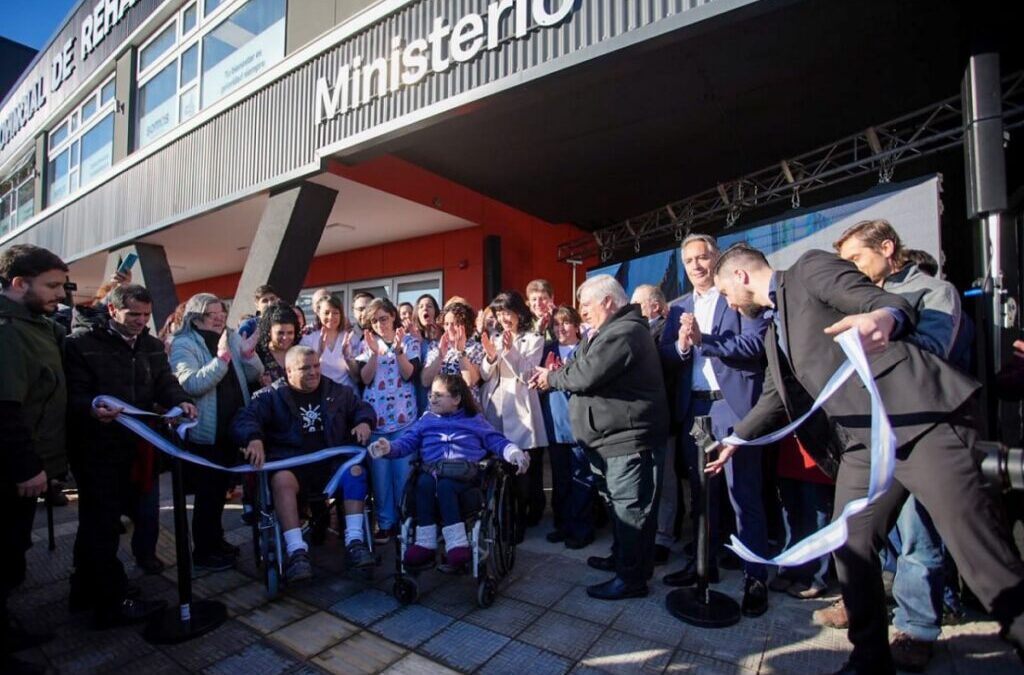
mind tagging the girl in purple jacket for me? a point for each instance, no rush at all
(451, 437)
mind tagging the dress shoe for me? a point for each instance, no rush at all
(661, 554)
(688, 576)
(755, 598)
(605, 564)
(833, 616)
(909, 654)
(224, 548)
(555, 536)
(129, 612)
(616, 589)
(575, 544)
(152, 565)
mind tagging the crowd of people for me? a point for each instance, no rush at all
(610, 390)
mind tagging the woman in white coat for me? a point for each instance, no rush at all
(508, 401)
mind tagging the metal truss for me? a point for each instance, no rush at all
(878, 149)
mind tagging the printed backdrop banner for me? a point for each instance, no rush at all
(913, 207)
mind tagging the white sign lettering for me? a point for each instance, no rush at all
(31, 101)
(63, 64)
(105, 15)
(356, 84)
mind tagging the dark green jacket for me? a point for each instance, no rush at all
(31, 383)
(618, 403)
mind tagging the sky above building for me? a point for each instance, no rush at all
(33, 22)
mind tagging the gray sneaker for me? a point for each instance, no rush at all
(357, 555)
(298, 567)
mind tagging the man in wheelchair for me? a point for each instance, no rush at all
(297, 415)
(452, 438)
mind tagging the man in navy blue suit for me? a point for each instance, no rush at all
(718, 357)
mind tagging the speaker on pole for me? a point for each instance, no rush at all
(984, 158)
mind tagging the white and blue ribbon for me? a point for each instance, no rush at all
(129, 415)
(883, 461)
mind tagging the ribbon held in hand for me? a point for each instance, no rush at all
(129, 415)
(883, 461)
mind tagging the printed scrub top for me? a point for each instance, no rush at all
(392, 398)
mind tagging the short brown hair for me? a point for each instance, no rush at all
(540, 286)
(374, 306)
(737, 254)
(873, 233)
(462, 313)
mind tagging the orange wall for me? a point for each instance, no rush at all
(528, 245)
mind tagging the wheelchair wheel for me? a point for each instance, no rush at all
(272, 578)
(486, 592)
(504, 537)
(405, 590)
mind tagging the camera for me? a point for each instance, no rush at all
(1002, 467)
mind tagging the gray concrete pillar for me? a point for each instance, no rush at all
(124, 92)
(153, 272)
(284, 245)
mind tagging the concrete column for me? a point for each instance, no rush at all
(153, 272)
(287, 237)
(42, 174)
(124, 116)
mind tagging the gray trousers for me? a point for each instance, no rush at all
(939, 471)
(631, 486)
(668, 505)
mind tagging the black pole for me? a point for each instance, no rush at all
(49, 515)
(189, 619)
(699, 605)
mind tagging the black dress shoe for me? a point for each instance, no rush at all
(555, 537)
(616, 589)
(688, 576)
(224, 548)
(576, 544)
(661, 554)
(129, 612)
(755, 598)
(605, 564)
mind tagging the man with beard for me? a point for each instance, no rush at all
(928, 403)
(33, 396)
(119, 359)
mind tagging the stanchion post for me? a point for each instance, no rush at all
(189, 619)
(700, 606)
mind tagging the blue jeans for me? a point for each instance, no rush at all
(388, 477)
(743, 480)
(920, 573)
(439, 495)
(806, 508)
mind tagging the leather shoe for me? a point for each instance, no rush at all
(755, 598)
(129, 612)
(688, 576)
(616, 589)
(605, 564)
(575, 544)
(152, 565)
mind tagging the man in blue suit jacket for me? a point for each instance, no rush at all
(718, 357)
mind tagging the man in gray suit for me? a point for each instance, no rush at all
(928, 403)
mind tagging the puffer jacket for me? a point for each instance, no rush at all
(198, 371)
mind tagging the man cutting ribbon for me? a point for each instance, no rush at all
(928, 403)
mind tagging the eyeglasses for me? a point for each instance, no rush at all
(381, 319)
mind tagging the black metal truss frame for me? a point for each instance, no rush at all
(879, 148)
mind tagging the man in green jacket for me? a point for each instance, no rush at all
(33, 398)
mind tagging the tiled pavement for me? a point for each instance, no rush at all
(542, 622)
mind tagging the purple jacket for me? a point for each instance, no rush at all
(455, 436)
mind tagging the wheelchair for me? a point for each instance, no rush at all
(487, 510)
(268, 537)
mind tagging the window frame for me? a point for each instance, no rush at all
(72, 141)
(390, 283)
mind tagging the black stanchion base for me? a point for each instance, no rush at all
(689, 605)
(168, 628)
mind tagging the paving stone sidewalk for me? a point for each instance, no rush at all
(542, 622)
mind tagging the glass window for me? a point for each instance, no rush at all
(97, 148)
(59, 176)
(89, 109)
(189, 104)
(189, 64)
(410, 291)
(6, 212)
(59, 135)
(73, 121)
(210, 5)
(246, 44)
(26, 201)
(158, 47)
(188, 20)
(107, 93)
(158, 104)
